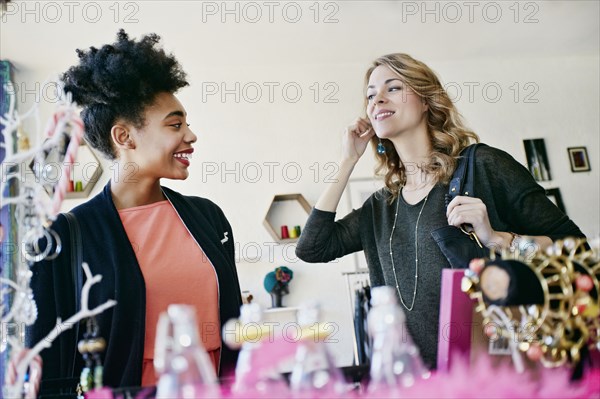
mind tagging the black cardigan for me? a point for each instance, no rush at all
(108, 252)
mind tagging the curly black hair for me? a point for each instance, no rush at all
(118, 81)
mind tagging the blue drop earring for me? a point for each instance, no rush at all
(380, 148)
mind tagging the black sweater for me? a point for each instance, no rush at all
(108, 252)
(514, 202)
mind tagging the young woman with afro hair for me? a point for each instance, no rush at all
(152, 245)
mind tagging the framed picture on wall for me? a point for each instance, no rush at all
(554, 195)
(579, 159)
(537, 159)
(358, 191)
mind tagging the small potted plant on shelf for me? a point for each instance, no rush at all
(276, 283)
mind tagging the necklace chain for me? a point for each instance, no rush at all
(409, 308)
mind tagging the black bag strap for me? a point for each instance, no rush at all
(76, 261)
(463, 179)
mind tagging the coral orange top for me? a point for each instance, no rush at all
(175, 270)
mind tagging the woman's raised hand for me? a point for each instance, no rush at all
(356, 139)
(354, 143)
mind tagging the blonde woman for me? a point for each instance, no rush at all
(418, 135)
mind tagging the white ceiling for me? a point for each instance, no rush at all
(364, 30)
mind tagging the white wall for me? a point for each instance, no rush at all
(307, 133)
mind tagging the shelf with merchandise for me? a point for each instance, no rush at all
(286, 210)
(87, 171)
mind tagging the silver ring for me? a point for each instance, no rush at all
(30, 248)
(58, 244)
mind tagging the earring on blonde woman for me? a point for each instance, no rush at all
(380, 148)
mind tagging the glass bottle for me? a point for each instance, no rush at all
(252, 377)
(395, 362)
(184, 366)
(314, 373)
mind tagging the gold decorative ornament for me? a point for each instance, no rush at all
(556, 330)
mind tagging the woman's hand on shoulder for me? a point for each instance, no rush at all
(356, 139)
(472, 211)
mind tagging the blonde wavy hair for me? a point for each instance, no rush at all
(447, 132)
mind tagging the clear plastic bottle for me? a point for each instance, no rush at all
(252, 378)
(314, 373)
(184, 366)
(396, 362)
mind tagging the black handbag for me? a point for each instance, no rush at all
(460, 245)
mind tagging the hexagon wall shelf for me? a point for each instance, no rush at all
(88, 171)
(286, 209)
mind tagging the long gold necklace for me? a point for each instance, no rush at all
(416, 253)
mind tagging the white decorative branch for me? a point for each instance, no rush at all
(17, 301)
(41, 210)
(11, 121)
(14, 390)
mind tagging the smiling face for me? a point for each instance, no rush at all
(163, 146)
(392, 106)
